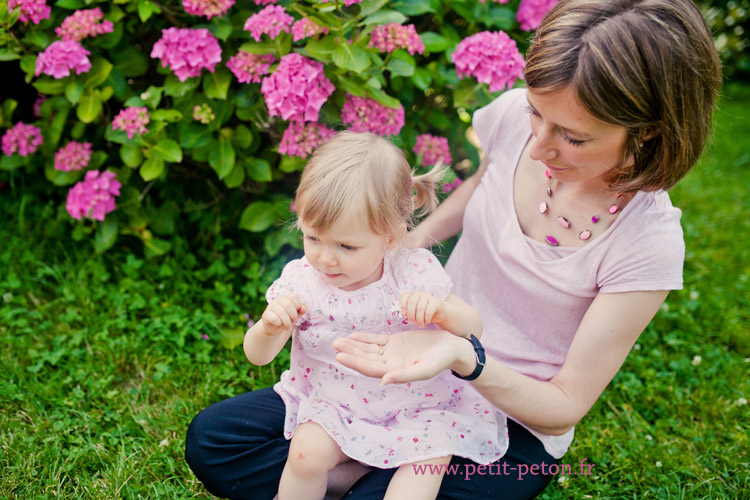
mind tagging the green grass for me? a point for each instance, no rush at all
(104, 361)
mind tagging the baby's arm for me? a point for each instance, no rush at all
(267, 337)
(452, 314)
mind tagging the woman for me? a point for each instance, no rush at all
(569, 245)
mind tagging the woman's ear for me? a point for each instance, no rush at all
(649, 133)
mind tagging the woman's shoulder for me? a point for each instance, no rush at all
(501, 123)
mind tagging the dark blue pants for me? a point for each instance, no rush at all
(237, 449)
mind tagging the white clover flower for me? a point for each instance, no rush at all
(741, 402)
(658, 463)
(696, 360)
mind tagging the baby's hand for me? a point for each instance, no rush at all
(421, 308)
(282, 314)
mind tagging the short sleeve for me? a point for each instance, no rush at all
(420, 270)
(295, 278)
(501, 122)
(648, 256)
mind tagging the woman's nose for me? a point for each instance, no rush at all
(542, 147)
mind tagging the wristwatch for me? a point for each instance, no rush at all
(481, 359)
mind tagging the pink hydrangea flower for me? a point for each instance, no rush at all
(207, 8)
(304, 28)
(38, 106)
(367, 115)
(31, 10)
(21, 138)
(132, 120)
(390, 37)
(301, 139)
(531, 12)
(187, 51)
(249, 67)
(272, 20)
(432, 148)
(61, 58)
(491, 58)
(84, 23)
(297, 89)
(450, 186)
(347, 3)
(203, 113)
(73, 156)
(94, 196)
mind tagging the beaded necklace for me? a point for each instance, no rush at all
(585, 234)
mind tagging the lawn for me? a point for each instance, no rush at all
(105, 359)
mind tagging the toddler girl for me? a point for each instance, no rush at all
(354, 203)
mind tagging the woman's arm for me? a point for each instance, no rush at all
(607, 333)
(447, 219)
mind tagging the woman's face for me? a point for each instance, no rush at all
(575, 146)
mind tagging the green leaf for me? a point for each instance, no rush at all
(242, 137)
(259, 48)
(50, 86)
(434, 42)
(371, 6)
(174, 87)
(100, 69)
(232, 337)
(274, 240)
(7, 54)
(152, 168)
(163, 221)
(105, 235)
(384, 98)
(131, 62)
(257, 217)
(500, 16)
(351, 86)
(385, 16)
(167, 150)
(166, 115)
(61, 178)
(322, 48)
(400, 67)
(146, 9)
(259, 170)
(6, 115)
(156, 247)
(71, 4)
(194, 136)
(422, 78)
(221, 28)
(88, 108)
(351, 57)
(236, 177)
(291, 164)
(131, 155)
(216, 84)
(414, 7)
(12, 162)
(222, 157)
(73, 91)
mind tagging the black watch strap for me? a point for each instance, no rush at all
(481, 359)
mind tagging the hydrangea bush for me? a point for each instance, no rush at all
(147, 109)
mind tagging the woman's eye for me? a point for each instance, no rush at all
(532, 111)
(574, 142)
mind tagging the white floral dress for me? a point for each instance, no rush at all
(379, 426)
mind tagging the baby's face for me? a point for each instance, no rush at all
(349, 254)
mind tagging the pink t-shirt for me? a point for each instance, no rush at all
(532, 296)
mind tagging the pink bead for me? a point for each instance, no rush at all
(543, 207)
(594, 219)
(549, 192)
(546, 173)
(551, 240)
(563, 222)
(585, 234)
(613, 209)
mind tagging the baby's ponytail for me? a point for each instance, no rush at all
(425, 186)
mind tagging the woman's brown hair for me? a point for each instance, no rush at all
(647, 65)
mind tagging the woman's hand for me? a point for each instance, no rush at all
(405, 356)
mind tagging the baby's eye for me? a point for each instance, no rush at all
(311, 238)
(348, 248)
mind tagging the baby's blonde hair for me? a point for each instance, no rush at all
(367, 177)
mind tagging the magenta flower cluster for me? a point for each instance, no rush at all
(432, 149)
(491, 58)
(207, 8)
(450, 186)
(187, 51)
(31, 10)
(249, 67)
(272, 20)
(132, 120)
(367, 115)
(61, 58)
(83, 24)
(297, 89)
(94, 196)
(22, 139)
(304, 28)
(301, 139)
(531, 12)
(390, 37)
(73, 156)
